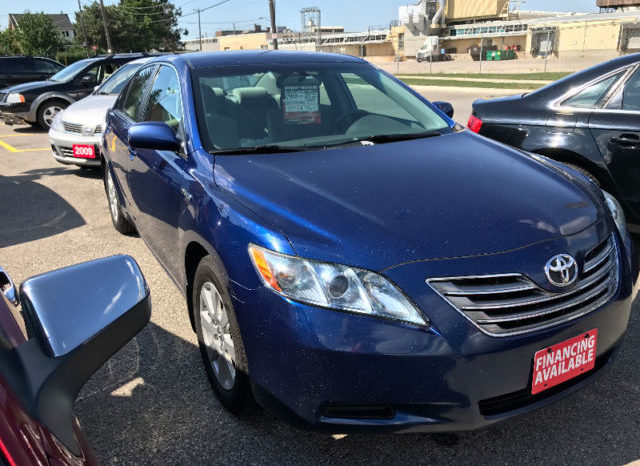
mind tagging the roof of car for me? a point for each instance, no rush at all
(263, 57)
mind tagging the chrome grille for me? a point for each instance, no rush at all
(3, 97)
(511, 304)
(72, 127)
(98, 130)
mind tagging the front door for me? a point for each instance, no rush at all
(616, 129)
(155, 176)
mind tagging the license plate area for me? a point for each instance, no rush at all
(564, 361)
(84, 151)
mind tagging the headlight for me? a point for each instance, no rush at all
(617, 213)
(57, 121)
(333, 286)
(14, 98)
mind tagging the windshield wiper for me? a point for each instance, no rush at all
(269, 149)
(384, 138)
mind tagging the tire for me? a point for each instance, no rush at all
(120, 221)
(48, 110)
(218, 331)
(585, 173)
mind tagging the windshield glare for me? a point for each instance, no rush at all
(306, 106)
(71, 71)
(119, 79)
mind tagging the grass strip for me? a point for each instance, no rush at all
(549, 76)
(469, 84)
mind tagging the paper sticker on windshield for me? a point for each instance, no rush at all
(301, 104)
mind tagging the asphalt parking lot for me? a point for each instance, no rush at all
(152, 403)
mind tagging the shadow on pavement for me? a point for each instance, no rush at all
(46, 212)
(151, 404)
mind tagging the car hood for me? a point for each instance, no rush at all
(91, 110)
(375, 207)
(32, 86)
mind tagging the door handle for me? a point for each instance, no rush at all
(626, 140)
(186, 194)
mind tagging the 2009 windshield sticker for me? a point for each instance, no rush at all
(561, 362)
(301, 104)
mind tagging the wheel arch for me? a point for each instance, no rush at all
(194, 252)
(573, 158)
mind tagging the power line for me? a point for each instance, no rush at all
(201, 10)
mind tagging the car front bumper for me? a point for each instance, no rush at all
(15, 113)
(342, 372)
(62, 147)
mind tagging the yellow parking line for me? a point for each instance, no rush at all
(33, 150)
(15, 135)
(8, 147)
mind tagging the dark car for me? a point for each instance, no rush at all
(74, 327)
(354, 259)
(590, 120)
(23, 69)
(38, 102)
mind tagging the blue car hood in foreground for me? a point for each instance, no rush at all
(378, 206)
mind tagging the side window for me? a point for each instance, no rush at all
(369, 99)
(631, 93)
(135, 92)
(591, 96)
(96, 73)
(45, 66)
(165, 103)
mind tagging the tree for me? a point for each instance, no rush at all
(9, 44)
(134, 25)
(38, 35)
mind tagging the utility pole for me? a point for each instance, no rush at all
(84, 32)
(199, 30)
(274, 29)
(106, 29)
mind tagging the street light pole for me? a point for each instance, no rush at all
(106, 29)
(84, 31)
(274, 30)
(199, 31)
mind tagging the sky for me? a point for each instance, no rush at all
(354, 15)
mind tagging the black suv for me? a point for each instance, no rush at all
(38, 102)
(21, 69)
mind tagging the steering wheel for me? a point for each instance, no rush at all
(345, 121)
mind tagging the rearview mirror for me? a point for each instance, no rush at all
(445, 107)
(153, 135)
(77, 318)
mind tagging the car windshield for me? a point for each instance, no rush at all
(119, 79)
(67, 74)
(307, 106)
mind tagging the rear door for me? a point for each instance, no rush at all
(126, 112)
(155, 176)
(616, 129)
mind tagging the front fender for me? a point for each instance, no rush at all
(33, 110)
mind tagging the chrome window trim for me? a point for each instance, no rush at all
(557, 104)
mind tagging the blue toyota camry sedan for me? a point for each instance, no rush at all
(352, 258)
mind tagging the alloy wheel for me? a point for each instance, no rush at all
(49, 114)
(216, 335)
(113, 197)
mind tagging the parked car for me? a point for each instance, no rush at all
(23, 69)
(354, 259)
(74, 327)
(76, 131)
(38, 102)
(589, 120)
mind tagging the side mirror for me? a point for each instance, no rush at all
(88, 80)
(153, 135)
(77, 317)
(445, 107)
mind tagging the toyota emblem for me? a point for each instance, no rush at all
(561, 270)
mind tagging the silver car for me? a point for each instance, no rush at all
(76, 131)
